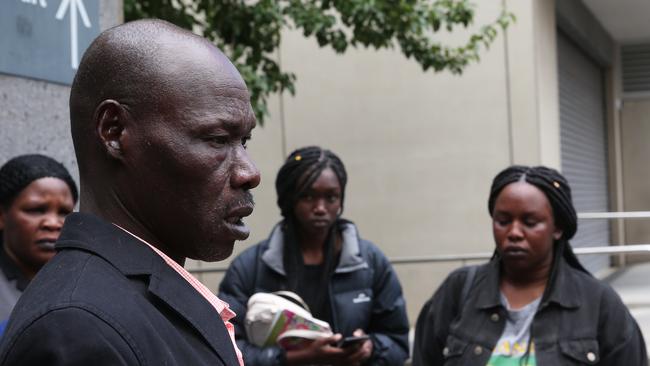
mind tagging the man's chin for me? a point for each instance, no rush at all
(216, 252)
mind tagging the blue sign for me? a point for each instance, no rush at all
(45, 39)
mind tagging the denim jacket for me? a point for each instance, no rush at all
(580, 321)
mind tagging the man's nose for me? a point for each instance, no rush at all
(245, 174)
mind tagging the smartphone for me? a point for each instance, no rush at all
(352, 341)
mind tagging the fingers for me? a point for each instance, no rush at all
(356, 356)
(333, 339)
(360, 353)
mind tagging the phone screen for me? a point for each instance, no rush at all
(352, 341)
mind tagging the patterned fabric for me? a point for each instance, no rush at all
(222, 307)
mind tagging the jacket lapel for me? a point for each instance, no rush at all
(132, 257)
(172, 289)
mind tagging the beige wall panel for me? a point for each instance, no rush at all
(548, 104)
(635, 124)
(523, 79)
(533, 81)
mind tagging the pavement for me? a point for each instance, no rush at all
(633, 285)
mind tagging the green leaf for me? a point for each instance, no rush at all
(249, 32)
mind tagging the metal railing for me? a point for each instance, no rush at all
(610, 250)
(613, 249)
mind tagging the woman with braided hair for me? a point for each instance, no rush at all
(533, 303)
(313, 252)
(36, 193)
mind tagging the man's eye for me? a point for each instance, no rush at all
(244, 141)
(220, 140)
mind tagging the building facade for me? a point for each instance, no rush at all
(566, 86)
(422, 148)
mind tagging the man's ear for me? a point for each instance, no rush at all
(557, 234)
(110, 117)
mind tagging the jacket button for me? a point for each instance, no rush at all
(591, 357)
(494, 317)
(478, 350)
(445, 351)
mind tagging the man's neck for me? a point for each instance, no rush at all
(113, 211)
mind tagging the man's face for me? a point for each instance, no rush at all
(188, 171)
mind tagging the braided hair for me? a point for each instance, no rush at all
(22, 170)
(556, 189)
(296, 176)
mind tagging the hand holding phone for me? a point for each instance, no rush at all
(352, 341)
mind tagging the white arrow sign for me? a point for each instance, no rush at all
(74, 5)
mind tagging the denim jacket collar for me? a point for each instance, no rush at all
(562, 290)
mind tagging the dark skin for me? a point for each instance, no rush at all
(524, 231)
(315, 212)
(32, 223)
(175, 173)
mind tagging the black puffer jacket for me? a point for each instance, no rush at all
(581, 321)
(364, 293)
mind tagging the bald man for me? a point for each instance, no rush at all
(160, 119)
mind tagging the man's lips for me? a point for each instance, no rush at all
(235, 223)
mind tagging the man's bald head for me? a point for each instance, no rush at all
(160, 119)
(136, 64)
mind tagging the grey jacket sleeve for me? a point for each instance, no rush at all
(71, 337)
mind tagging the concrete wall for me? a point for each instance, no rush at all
(532, 65)
(421, 148)
(635, 129)
(34, 116)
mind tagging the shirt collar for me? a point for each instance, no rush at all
(221, 306)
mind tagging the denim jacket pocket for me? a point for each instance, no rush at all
(454, 347)
(584, 351)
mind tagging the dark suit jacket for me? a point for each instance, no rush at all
(108, 299)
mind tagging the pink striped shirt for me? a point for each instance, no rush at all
(220, 306)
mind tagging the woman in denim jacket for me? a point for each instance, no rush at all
(533, 303)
